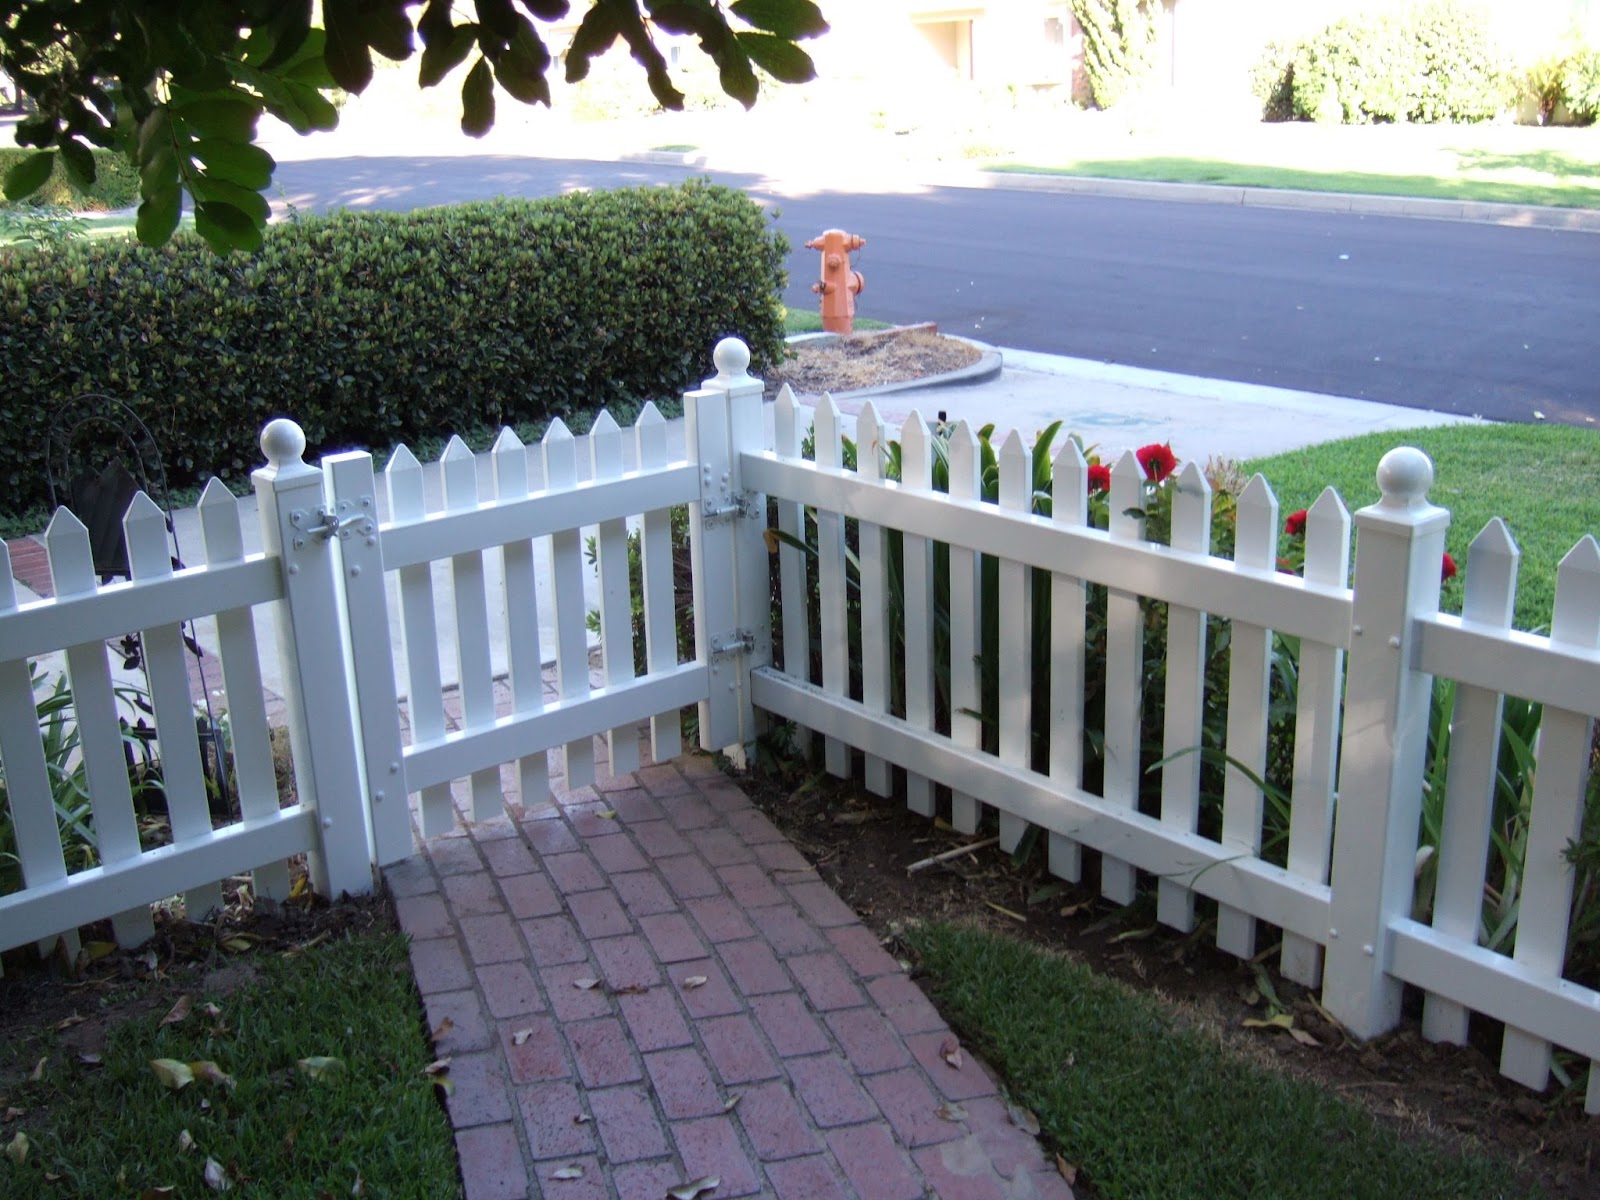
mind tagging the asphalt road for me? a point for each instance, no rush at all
(1489, 320)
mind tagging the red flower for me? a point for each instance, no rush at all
(1447, 569)
(1158, 461)
(1296, 524)
(1099, 478)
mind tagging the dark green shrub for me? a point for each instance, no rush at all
(375, 327)
(116, 182)
(1430, 62)
(1119, 46)
(1580, 85)
(1272, 82)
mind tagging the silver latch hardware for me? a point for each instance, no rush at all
(725, 645)
(742, 504)
(328, 524)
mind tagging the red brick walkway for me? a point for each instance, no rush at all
(805, 1066)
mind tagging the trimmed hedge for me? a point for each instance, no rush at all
(1429, 62)
(116, 182)
(368, 328)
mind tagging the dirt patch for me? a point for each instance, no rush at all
(862, 844)
(62, 1011)
(863, 360)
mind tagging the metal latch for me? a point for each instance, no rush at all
(743, 504)
(726, 645)
(326, 524)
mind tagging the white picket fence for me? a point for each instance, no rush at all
(340, 578)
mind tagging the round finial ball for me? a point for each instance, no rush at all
(283, 442)
(732, 358)
(1404, 476)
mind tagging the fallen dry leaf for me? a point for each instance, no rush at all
(179, 1011)
(585, 985)
(696, 1187)
(521, 1036)
(13, 1112)
(319, 1065)
(38, 1070)
(732, 1102)
(950, 1051)
(69, 1022)
(950, 1111)
(582, 1119)
(89, 1059)
(17, 1148)
(238, 944)
(210, 1010)
(359, 1188)
(438, 1066)
(158, 1193)
(172, 1073)
(572, 1172)
(1067, 1170)
(1281, 1020)
(185, 1141)
(216, 1177)
(442, 1028)
(695, 981)
(1304, 1038)
(631, 989)
(207, 1071)
(95, 951)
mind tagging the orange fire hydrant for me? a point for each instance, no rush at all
(839, 284)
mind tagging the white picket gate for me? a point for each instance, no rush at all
(340, 578)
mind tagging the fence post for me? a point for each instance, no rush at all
(1399, 550)
(732, 592)
(297, 529)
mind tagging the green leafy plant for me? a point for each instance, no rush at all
(115, 184)
(39, 225)
(1119, 46)
(370, 328)
(1580, 85)
(59, 737)
(1434, 61)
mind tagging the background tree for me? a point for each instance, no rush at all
(1119, 46)
(180, 85)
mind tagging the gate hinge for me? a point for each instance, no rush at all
(741, 504)
(726, 645)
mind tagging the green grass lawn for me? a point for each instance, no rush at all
(113, 1129)
(1516, 164)
(805, 320)
(1539, 478)
(1147, 1107)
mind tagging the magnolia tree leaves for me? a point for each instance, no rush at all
(180, 88)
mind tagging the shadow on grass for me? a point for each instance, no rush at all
(1201, 170)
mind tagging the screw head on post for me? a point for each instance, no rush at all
(283, 442)
(1404, 476)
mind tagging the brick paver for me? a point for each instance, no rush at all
(647, 981)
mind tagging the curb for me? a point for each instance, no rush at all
(1480, 212)
(988, 367)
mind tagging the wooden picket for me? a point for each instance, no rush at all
(420, 626)
(1068, 652)
(916, 577)
(517, 470)
(1249, 662)
(872, 556)
(1185, 694)
(616, 609)
(566, 573)
(1124, 674)
(966, 624)
(831, 581)
(1316, 742)
(659, 571)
